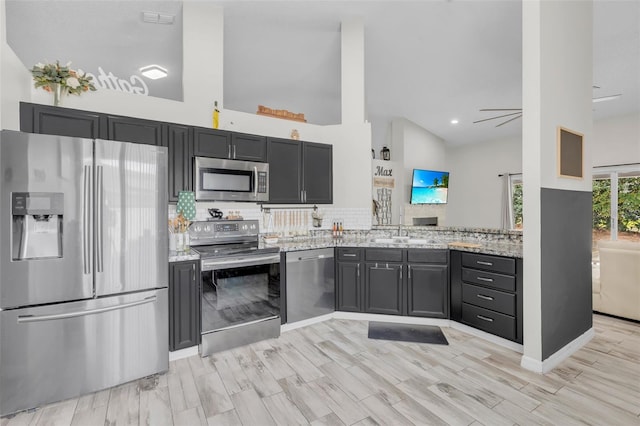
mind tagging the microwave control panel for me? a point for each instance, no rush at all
(262, 182)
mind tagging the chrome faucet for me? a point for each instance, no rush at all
(400, 226)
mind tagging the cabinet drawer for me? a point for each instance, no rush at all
(489, 321)
(384, 255)
(498, 301)
(501, 282)
(427, 255)
(349, 254)
(505, 265)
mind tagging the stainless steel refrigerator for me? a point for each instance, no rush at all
(83, 266)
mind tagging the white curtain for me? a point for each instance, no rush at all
(506, 210)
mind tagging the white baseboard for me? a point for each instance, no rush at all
(554, 360)
(298, 324)
(391, 318)
(183, 353)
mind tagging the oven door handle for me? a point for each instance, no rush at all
(226, 263)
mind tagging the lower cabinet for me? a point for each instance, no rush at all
(391, 281)
(348, 279)
(486, 293)
(428, 291)
(383, 289)
(184, 305)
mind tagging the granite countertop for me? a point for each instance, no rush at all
(500, 248)
(472, 240)
(183, 256)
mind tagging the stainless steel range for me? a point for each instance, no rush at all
(240, 284)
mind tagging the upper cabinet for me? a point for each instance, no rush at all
(180, 160)
(50, 120)
(317, 161)
(300, 172)
(137, 130)
(234, 146)
(285, 171)
(211, 143)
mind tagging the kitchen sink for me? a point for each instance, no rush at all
(400, 240)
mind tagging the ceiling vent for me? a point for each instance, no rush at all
(158, 18)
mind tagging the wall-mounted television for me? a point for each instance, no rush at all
(429, 187)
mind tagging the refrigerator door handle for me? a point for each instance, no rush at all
(99, 203)
(86, 220)
(66, 315)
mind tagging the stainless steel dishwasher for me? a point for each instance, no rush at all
(310, 284)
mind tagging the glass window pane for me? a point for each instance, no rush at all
(601, 220)
(629, 208)
(517, 205)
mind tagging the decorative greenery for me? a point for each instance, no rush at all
(47, 76)
(628, 204)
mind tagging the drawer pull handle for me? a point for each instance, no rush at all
(482, 296)
(483, 318)
(489, 280)
(349, 255)
(480, 262)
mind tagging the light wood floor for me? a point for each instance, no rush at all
(331, 374)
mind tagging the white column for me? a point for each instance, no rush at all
(557, 90)
(352, 57)
(203, 58)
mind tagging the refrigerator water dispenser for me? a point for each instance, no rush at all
(36, 225)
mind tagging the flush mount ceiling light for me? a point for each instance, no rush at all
(154, 72)
(454, 121)
(607, 98)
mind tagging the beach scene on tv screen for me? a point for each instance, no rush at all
(429, 187)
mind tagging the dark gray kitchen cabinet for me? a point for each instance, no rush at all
(300, 172)
(349, 280)
(317, 161)
(137, 130)
(285, 171)
(52, 120)
(248, 147)
(486, 293)
(233, 146)
(383, 289)
(180, 160)
(184, 305)
(383, 282)
(428, 283)
(211, 142)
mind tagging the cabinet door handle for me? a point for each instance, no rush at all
(229, 152)
(482, 296)
(489, 280)
(234, 152)
(349, 255)
(358, 271)
(483, 318)
(480, 262)
(409, 271)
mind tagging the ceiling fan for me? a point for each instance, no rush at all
(517, 112)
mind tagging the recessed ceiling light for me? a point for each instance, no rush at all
(454, 121)
(607, 98)
(154, 72)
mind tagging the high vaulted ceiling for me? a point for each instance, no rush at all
(426, 61)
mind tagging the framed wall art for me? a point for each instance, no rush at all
(570, 153)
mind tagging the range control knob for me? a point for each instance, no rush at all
(207, 228)
(196, 228)
(253, 226)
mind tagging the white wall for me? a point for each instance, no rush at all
(474, 186)
(417, 148)
(15, 80)
(203, 83)
(616, 140)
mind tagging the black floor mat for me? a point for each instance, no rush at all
(407, 333)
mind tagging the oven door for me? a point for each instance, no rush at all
(239, 290)
(231, 180)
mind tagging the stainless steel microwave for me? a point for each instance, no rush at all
(218, 179)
